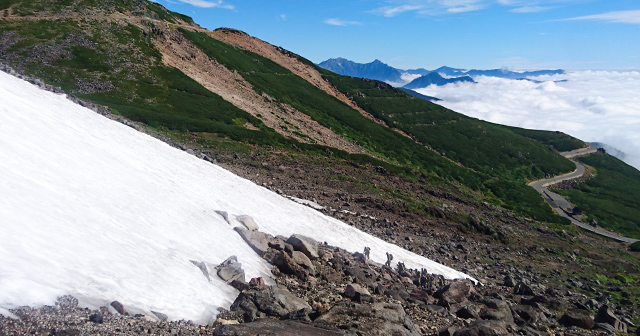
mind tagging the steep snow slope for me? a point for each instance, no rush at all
(96, 209)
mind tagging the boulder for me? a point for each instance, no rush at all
(378, 319)
(606, 327)
(273, 327)
(272, 301)
(248, 222)
(456, 292)
(606, 315)
(497, 310)
(485, 328)
(257, 283)
(118, 307)
(230, 270)
(526, 312)
(96, 318)
(306, 245)
(231, 273)
(287, 265)
(259, 241)
(579, 318)
(468, 312)
(357, 293)
(304, 261)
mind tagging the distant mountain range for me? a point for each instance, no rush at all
(437, 79)
(374, 70)
(406, 78)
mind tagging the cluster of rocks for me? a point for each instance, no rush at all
(333, 290)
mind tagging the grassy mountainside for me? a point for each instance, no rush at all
(489, 148)
(104, 52)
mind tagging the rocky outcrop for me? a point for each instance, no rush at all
(304, 244)
(270, 302)
(376, 319)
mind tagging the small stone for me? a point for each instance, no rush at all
(96, 318)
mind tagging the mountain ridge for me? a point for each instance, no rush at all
(369, 70)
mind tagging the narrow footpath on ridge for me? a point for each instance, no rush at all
(560, 204)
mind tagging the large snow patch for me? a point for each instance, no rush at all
(93, 208)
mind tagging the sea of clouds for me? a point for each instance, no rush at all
(595, 106)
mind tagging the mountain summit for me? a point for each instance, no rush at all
(374, 70)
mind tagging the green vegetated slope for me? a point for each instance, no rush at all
(612, 198)
(115, 64)
(489, 148)
(285, 87)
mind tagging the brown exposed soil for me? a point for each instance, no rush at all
(244, 41)
(178, 52)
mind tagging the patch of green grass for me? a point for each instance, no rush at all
(558, 140)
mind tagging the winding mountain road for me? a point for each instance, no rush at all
(560, 204)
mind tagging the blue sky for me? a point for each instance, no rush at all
(519, 34)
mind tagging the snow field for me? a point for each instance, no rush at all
(93, 208)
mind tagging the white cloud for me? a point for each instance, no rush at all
(283, 17)
(390, 11)
(530, 9)
(630, 16)
(340, 22)
(595, 106)
(208, 4)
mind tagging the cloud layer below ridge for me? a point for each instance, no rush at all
(595, 106)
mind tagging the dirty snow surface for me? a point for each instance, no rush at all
(93, 208)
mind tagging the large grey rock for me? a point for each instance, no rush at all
(378, 319)
(231, 273)
(606, 315)
(288, 265)
(258, 241)
(526, 312)
(248, 222)
(456, 292)
(272, 301)
(497, 310)
(304, 244)
(486, 328)
(358, 293)
(579, 318)
(304, 261)
(274, 328)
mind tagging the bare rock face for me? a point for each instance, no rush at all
(379, 319)
(304, 244)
